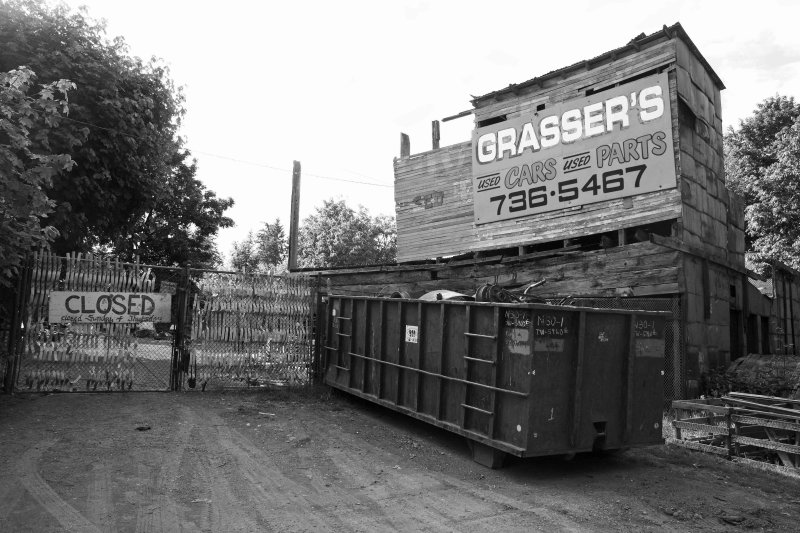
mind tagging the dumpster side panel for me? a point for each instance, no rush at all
(555, 347)
(409, 354)
(453, 357)
(372, 336)
(431, 360)
(602, 405)
(392, 351)
(514, 374)
(357, 342)
(647, 381)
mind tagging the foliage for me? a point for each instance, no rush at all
(336, 235)
(27, 164)
(122, 133)
(261, 252)
(762, 164)
(271, 245)
(243, 255)
(179, 229)
(770, 380)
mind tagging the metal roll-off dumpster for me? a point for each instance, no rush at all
(522, 379)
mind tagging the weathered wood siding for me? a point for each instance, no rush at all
(712, 222)
(642, 269)
(433, 190)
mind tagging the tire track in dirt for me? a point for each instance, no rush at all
(66, 515)
(222, 512)
(279, 502)
(356, 513)
(10, 495)
(394, 504)
(437, 494)
(100, 508)
(406, 500)
(157, 511)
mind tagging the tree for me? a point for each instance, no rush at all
(27, 164)
(271, 244)
(243, 256)
(263, 252)
(179, 228)
(336, 235)
(762, 164)
(122, 131)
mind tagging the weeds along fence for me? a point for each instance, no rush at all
(224, 330)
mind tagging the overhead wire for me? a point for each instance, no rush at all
(237, 160)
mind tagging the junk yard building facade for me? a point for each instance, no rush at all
(602, 184)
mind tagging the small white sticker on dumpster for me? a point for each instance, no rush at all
(412, 333)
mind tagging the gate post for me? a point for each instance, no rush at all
(179, 351)
(17, 329)
(318, 321)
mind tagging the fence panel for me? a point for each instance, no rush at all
(250, 331)
(95, 356)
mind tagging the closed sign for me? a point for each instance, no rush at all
(109, 307)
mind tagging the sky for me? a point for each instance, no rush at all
(332, 84)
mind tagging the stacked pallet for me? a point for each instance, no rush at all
(759, 430)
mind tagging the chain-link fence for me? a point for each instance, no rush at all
(674, 359)
(93, 355)
(250, 331)
(217, 329)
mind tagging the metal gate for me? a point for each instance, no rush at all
(249, 330)
(97, 356)
(226, 330)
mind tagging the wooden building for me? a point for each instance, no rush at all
(628, 204)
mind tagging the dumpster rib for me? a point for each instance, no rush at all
(467, 337)
(420, 343)
(495, 358)
(480, 336)
(382, 317)
(449, 378)
(479, 360)
(500, 445)
(443, 347)
(628, 396)
(473, 408)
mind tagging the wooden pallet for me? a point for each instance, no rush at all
(749, 427)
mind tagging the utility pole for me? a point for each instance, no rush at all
(294, 218)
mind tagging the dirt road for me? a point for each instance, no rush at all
(322, 462)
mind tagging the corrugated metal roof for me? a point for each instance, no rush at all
(635, 44)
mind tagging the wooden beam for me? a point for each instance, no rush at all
(294, 217)
(405, 145)
(435, 134)
(675, 244)
(458, 115)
